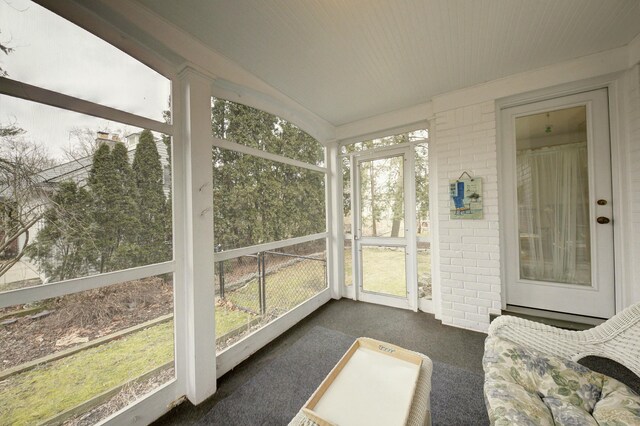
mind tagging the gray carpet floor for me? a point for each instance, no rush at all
(416, 331)
(275, 394)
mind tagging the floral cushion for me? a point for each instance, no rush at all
(619, 405)
(527, 387)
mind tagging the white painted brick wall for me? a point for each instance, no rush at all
(469, 254)
(465, 140)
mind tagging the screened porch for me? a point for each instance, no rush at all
(188, 188)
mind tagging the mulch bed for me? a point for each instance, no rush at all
(79, 317)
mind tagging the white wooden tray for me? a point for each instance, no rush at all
(373, 384)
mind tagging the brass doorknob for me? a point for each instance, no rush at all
(603, 220)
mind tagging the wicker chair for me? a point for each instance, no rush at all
(618, 338)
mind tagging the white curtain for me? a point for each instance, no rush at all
(553, 214)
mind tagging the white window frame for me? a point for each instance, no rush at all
(237, 147)
(159, 400)
(233, 355)
(424, 305)
(39, 95)
(162, 396)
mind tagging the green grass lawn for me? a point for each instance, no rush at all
(384, 269)
(228, 320)
(46, 391)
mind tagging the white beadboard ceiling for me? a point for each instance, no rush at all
(347, 60)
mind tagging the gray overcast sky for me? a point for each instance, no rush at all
(52, 53)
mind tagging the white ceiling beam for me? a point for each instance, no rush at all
(195, 52)
(99, 26)
(191, 51)
(394, 122)
(310, 123)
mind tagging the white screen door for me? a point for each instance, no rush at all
(384, 219)
(558, 208)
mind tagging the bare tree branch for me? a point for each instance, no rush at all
(22, 197)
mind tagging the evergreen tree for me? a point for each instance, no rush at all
(258, 200)
(126, 211)
(304, 189)
(99, 177)
(166, 139)
(114, 212)
(64, 247)
(242, 188)
(147, 175)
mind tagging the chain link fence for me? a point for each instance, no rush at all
(256, 289)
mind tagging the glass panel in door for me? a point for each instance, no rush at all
(383, 270)
(382, 197)
(553, 196)
(382, 235)
(558, 205)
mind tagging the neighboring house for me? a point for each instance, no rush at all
(11, 250)
(77, 171)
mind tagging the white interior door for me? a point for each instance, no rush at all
(558, 209)
(384, 218)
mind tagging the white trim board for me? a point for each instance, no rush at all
(245, 251)
(62, 288)
(180, 211)
(426, 305)
(390, 123)
(197, 231)
(37, 94)
(322, 131)
(234, 146)
(334, 215)
(435, 225)
(148, 407)
(235, 354)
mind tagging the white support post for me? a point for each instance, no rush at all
(434, 225)
(410, 228)
(335, 253)
(198, 324)
(356, 268)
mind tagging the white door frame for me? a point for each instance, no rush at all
(592, 99)
(408, 241)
